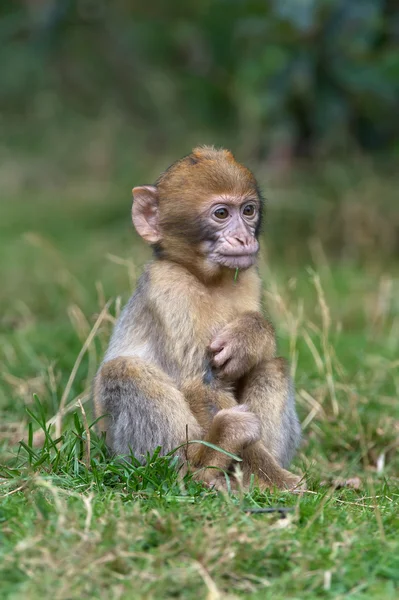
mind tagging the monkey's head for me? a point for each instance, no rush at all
(204, 212)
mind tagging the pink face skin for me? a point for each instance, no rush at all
(233, 223)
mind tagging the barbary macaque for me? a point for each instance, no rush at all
(191, 356)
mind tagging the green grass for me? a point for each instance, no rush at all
(75, 524)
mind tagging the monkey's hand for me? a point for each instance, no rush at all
(242, 344)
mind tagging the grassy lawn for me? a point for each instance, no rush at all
(75, 524)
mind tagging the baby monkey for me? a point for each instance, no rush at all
(191, 355)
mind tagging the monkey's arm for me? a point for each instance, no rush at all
(243, 344)
(205, 401)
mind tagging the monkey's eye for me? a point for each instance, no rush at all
(249, 210)
(221, 213)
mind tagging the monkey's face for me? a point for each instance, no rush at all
(204, 212)
(230, 226)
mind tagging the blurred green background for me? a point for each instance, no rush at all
(284, 77)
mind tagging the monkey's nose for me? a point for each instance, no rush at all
(241, 240)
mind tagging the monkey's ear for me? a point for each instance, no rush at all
(145, 213)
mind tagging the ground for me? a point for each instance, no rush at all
(75, 524)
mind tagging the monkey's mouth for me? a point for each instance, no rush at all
(237, 261)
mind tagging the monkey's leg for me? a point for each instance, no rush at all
(228, 425)
(233, 430)
(206, 400)
(144, 408)
(268, 392)
(260, 463)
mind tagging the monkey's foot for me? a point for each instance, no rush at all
(296, 483)
(223, 484)
(216, 480)
(286, 481)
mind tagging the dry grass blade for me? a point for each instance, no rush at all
(130, 267)
(82, 328)
(315, 353)
(326, 324)
(14, 491)
(213, 592)
(382, 303)
(316, 408)
(89, 339)
(87, 430)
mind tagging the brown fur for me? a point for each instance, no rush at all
(215, 171)
(180, 192)
(160, 377)
(232, 429)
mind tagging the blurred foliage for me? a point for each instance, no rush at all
(286, 77)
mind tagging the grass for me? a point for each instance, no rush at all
(76, 524)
